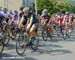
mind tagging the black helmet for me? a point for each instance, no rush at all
(21, 8)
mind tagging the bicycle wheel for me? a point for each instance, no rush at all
(62, 31)
(1, 45)
(63, 35)
(49, 34)
(21, 44)
(6, 38)
(44, 35)
(34, 43)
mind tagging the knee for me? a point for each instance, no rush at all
(32, 28)
(28, 28)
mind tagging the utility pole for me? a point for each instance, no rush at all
(4, 3)
(7, 3)
(27, 3)
(35, 6)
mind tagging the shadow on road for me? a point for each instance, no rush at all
(5, 56)
(51, 49)
(50, 45)
(52, 52)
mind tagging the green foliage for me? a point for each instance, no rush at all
(54, 6)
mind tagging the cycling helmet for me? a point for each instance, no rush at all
(45, 10)
(4, 8)
(21, 8)
(26, 9)
(66, 13)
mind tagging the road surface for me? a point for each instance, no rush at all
(58, 49)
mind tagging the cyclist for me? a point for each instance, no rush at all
(46, 20)
(16, 17)
(61, 19)
(7, 20)
(72, 18)
(45, 17)
(67, 22)
(30, 20)
(5, 13)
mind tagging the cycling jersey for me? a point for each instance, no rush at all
(56, 18)
(1, 17)
(67, 18)
(46, 18)
(28, 18)
(61, 18)
(7, 14)
(15, 16)
(71, 17)
(21, 14)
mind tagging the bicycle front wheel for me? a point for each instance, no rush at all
(44, 35)
(21, 44)
(6, 38)
(1, 46)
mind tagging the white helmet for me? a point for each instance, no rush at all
(45, 10)
(26, 9)
(66, 13)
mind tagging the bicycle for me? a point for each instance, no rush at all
(23, 42)
(46, 32)
(6, 35)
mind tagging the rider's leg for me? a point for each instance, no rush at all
(32, 30)
(10, 32)
(67, 28)
(28, 29)
(20, 24)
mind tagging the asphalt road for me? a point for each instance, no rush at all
(58, 49)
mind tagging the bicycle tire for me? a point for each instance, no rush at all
(24, 46)
(6, 38)
(1, 46)
(44, 35)
(34, 44)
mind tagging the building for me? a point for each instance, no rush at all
(15, 4)
(28, 3)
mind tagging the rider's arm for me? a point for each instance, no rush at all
(20, 22)
(50, 20)
(19, 18)
(31, 19)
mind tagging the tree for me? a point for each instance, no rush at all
(63, 6)
(46, 4)
(54, 6)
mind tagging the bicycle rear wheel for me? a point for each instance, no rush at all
(44, 35)
(34, 43)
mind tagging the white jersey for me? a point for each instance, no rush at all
(67, 19)
(6, 14)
